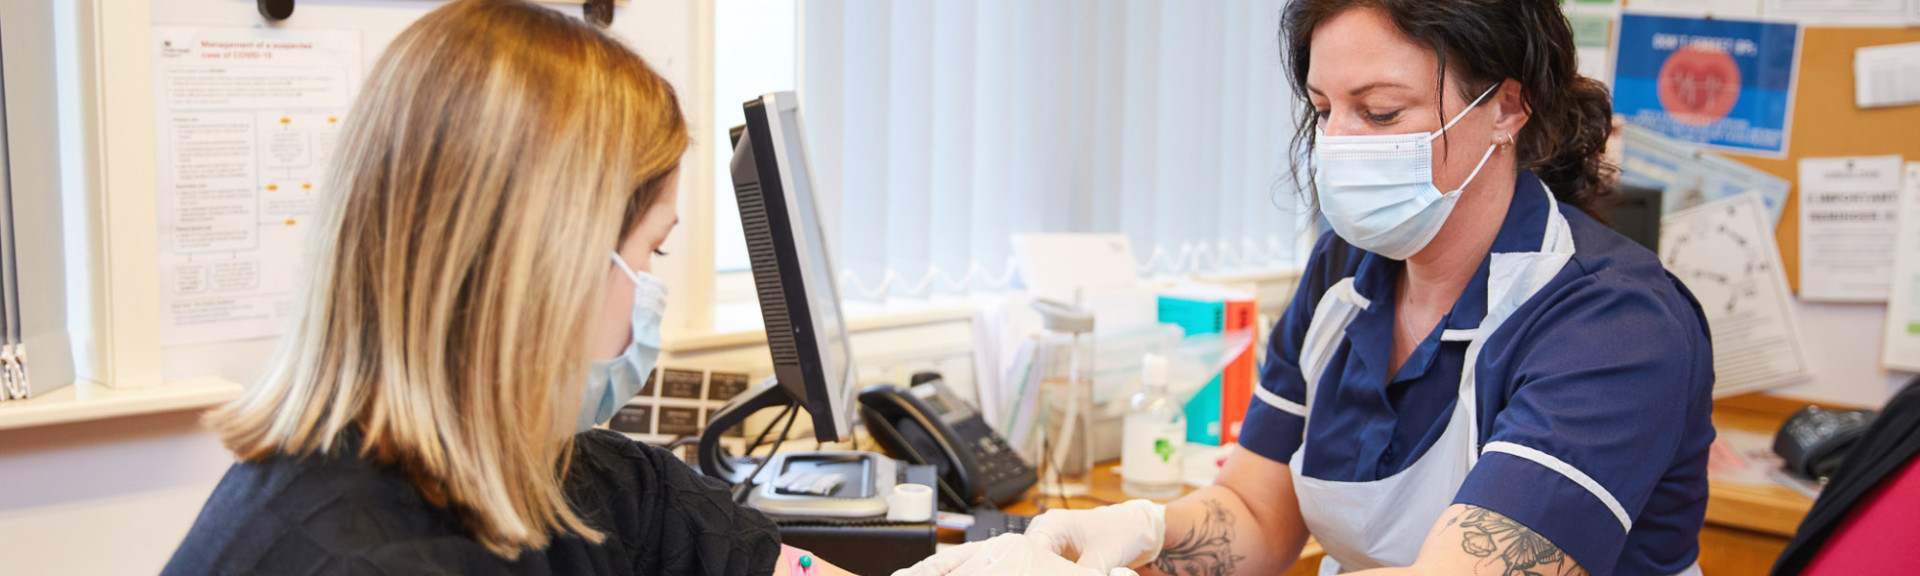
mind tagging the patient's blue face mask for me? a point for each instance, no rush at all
(611, 383)
(1378, 191)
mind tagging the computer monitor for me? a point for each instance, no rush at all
(1635, 213)
(792, 271)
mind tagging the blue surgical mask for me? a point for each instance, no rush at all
(611, 383)
(1378, 192)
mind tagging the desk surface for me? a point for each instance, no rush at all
(1775, 510)
(1769, 510)
(1106, 490)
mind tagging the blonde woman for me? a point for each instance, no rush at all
(480, 298)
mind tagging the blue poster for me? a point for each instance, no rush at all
(1725, 84)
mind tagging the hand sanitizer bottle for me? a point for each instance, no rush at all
(1155, 430)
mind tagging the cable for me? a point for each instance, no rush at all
(763, 432)
(792, 413)
(684, 441)
(728, 468)
(790, 407)
(1059, 485)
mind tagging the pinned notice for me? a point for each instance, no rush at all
(1849, 220)
(1724, 251)
(1722, 83)
(1902, 347)
(245, 125)
(1887, 75)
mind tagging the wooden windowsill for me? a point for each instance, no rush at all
(756, 336)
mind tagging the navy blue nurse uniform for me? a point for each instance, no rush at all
(1602, 380)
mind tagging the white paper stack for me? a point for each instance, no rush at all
(1886, 75)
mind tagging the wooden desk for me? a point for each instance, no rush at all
(1749, 526)
(1106, 490)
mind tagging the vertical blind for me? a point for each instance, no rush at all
(33, 283)
(939, 129)
(14, 383)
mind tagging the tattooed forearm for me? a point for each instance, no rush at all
(1509, 548)
(1206, 550)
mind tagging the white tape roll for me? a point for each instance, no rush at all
(910, 503)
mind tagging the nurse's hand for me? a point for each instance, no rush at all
(1125, 535)
(1008, 555)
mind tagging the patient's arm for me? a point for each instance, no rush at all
(1247, 522)
(784, 566)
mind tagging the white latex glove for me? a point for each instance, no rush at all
(1128, 534)
(1004, 555)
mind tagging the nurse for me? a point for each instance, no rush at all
(1476, 375)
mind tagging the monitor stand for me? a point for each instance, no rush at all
(767, 394)
(870, 478)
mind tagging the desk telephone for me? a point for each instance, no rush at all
(927, 423)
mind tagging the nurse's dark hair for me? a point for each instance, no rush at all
(1481, 43)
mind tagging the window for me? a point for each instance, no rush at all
(945, 127)
(940, 129)
(753, 55)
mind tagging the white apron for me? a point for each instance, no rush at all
(1365, 525)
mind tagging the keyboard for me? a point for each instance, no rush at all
(989, 523)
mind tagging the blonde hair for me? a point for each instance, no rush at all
(497, 153)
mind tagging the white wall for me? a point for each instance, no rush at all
(1843, 346)
(103, 497)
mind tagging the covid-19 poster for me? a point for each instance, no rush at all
(1721, 83)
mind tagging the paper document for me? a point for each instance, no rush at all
(1592, 35)
(1714, 8)
(245, 123)
(1887, 75)
(1062, 267)
(1724, 252)
(1743, 457)
(1689, 176)
(1849, 217)
(1840, 12)
(1901, 350)
(1020, 409)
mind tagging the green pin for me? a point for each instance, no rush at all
(806, 561)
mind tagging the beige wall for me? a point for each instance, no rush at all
(103, 497)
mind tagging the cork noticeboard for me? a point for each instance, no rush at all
(1826, 123)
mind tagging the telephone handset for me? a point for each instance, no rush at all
(928, 424)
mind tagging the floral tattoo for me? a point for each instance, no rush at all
(1509, 548)
(1206, 550)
